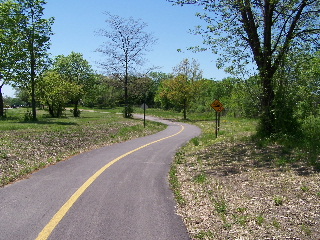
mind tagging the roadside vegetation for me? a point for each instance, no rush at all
(237, 186)
(26, 146)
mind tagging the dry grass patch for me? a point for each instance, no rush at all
(234, 189)
(26, 147)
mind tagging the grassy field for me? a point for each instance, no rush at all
(236, 187)
(28, 146)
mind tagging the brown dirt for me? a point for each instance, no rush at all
(241, 191)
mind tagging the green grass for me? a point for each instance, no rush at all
(27, 146)
(175, 185)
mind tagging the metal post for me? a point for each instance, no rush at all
(144, 115)
(219, 114)
(216, 124)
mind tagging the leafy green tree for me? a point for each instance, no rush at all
(23, 95)
(75, 69)
(157, 78)
(104, 93)
(11, 52)
(35, 38)
(142, 90)
(179, 91)
(55, 92)
(244, 99)
(263, 32)
(125, 47)
(299, 81)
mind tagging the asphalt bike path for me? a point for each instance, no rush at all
(117, 192)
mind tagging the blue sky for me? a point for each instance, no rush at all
(77, 20)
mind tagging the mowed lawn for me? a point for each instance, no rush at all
(29, 146)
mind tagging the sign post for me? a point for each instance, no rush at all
(218, 107)
(144, 107)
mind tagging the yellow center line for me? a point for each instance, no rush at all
(47, 230)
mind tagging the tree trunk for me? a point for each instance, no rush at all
(267, 120)
(76, 112)
(33, 81)
(51, 112)
(126, 102)
(185, 109)
(1, 103)
(33, 100)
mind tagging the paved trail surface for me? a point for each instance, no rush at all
(115, 192)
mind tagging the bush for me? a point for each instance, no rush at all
(311, 139)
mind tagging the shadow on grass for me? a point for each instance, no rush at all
(51, 123)
(224, 159)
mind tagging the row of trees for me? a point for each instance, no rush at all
(71, 80)
(273, 35)
(297, 92)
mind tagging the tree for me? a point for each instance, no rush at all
(55, 92)
(35, 39)
(179, 91)
(244, 97)
(75, 69)
(191, 69)
(127, 42)
(141, 90)
(11, 51)
(300, 81)
(263, 32)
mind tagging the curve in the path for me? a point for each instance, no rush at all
(130, 200)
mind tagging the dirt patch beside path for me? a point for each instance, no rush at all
(240, 191)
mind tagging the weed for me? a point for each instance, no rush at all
(304, 188)
(240, 219)
(275, 223)
(195, 141)
(282, 161)
(199, 161)
(28, 116)
(260, 220)
(306, 229)
(3, 155)
(241, 210)
(204, 235)
(227, 226)
(201, 178)
(221, 206)
(179, 157)
(278, 201)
